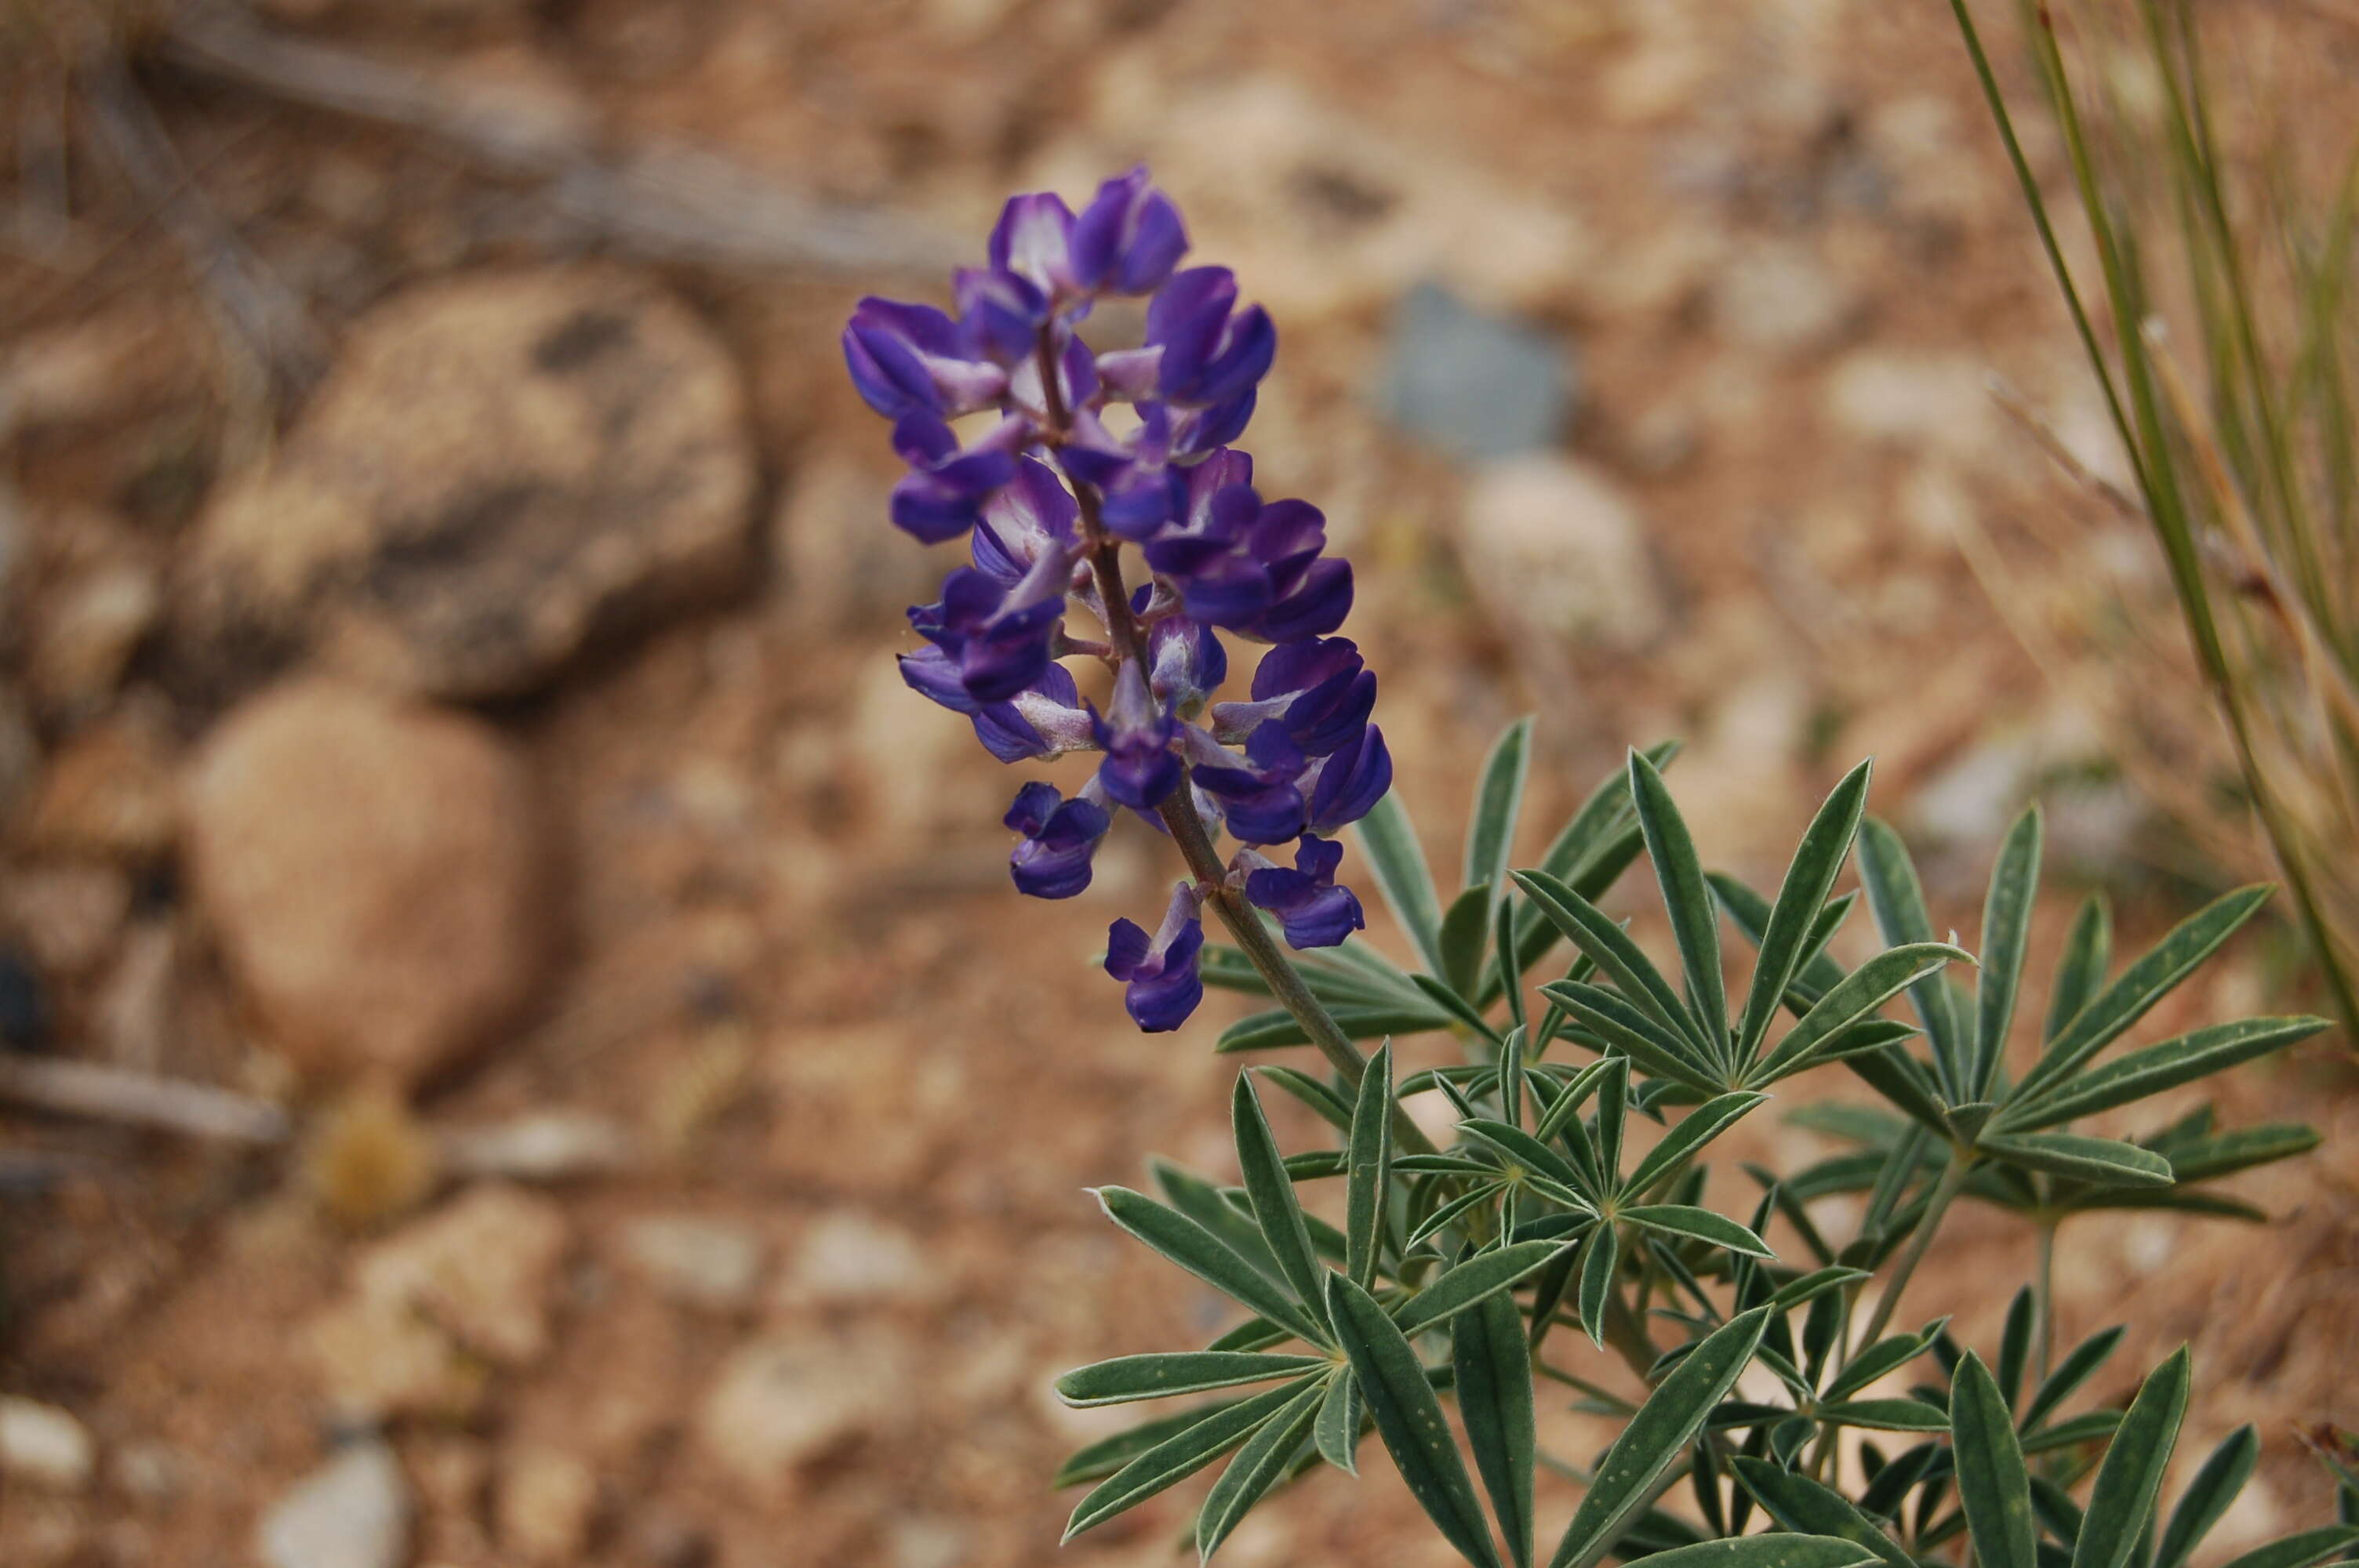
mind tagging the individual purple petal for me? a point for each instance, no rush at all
(1185, 664)
(1212, 353)
(1259, 796)
(999, 312)
(944, 492)
(998, 633)
(1203, 429)
(1348, 782)
(1045, 720)
(1129, 374)
(1128, 238)
(1029, 518)
(1059, 837)
(1319, 690)
(1161, 985)
(1317, 605)
(1314, 912)
(907, 359)
(1033, 238)
(1139, 770)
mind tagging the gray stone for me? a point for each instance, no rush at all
(352, 1512)
(1477, 386)
(41, 1446)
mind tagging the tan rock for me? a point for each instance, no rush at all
(85, 635)
(1556, 550)
(498, 468)
(787, 1398)
(372, 869)
(547, 1504)
(70, 913)
(375, 1359)
(109, 789)
(481, 1268)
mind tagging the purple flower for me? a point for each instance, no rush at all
(1250, 568)
(997, 619)
(1140, 770)
(1346, 785)
(1319, 690)
(999, 312)
(1127, 238)
(1212, 352)
(1044, 719)
(1034, 240)
(1059, 837)
(1185, 662)
(912, 359)
(1313, 910)
(1161, 985)
(1259, 796)
(1025, 523)
(945, 490)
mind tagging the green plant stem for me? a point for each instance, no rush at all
(1945, 1192)
(2044, 1297)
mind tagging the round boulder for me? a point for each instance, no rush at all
(497, 469)
(372, 867)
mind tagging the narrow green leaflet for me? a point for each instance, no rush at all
(2225, 1470)
(2081, 971)
(1652, 1439)
(1465, 943)
(1256, 1468)
(1096, 1460)
(1276, 1030)
(1702, 1224)
(1695, 917)
(1180, 1455)
(1885, 1356)
(1618, 957)
(1599, 1257)
(1493, 1372)
(2154, 1069)
(1890, 877)
(2225, 1154)
(1205, 1203)
(2007, 933)
(1498, 803)
(1340, 1413)
(1993, 1485)
(1785, 938)
(1390, 844)
(1765, 1552)
(1530, 1153)
(1330, 1107)
(1698, 1128)
(1654, 1047)
(2143, 984)
(2084, 1159)
(2131, 1476)
(1590, 853)
(1481, 1276)
(1369, 1183)
(1885, 1415)
(1199, 1251)
(2302, 1550)
(1852, 999)
(1128, 1377)
(1271, 1192)
(1409, 1420)
(1801, 1505)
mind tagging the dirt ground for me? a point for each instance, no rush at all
(779, 987)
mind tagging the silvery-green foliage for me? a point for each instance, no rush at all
(1587, 1084)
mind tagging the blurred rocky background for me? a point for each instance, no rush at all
(515, 1044)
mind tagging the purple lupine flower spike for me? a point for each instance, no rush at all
(1161, 985)
(1140, 770)
(1314, 912)
(1060, 836)
(1050, 498)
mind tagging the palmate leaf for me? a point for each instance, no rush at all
(1257, 1467)
(1687, 899)
(1786, 935)
(1492, 1367)
(1623, 1026)
(1175, 1459)
(1409, 1420)
(1126, 1379)
(1389, 841)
